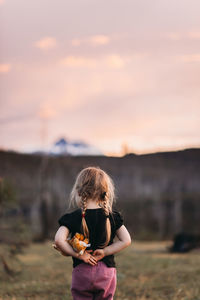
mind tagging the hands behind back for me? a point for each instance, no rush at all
(99, 254)
(88, 258)
(93, 258)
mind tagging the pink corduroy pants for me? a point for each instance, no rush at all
(93, 282)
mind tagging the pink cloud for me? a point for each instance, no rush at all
(94, 40)
(78, 62)
(194, 35)
(5, 68)
(190, 58)
(99, 40)
(46, 43)
(46, 111)
(76, 42)
(114, 61)
(176, 36)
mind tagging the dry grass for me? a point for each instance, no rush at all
(145, 271)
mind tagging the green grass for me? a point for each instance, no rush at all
(144, 271)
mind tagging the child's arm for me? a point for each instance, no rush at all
(64, 246)
(124, 240)
(61, 243)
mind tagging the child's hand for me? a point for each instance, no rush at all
(99, 254)
(88, 258)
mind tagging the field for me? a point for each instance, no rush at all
(144, 271)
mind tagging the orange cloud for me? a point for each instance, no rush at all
(190, 57)
(94, 40)
(5, 68)
(79, 61)
(193, 35)
(46, 111)
(114, 61)
(46, 43)
(175, 36)
(76, 42)
(99, 40)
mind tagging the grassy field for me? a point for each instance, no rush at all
(144, 271)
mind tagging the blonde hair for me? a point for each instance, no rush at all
(93, 183)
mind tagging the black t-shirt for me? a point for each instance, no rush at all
(95, 219)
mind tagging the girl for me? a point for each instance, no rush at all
(94, 272)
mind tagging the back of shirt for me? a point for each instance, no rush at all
(95, 219)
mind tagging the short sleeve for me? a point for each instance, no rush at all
(66, 220)
(118, 219)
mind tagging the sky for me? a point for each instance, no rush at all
(122, 75)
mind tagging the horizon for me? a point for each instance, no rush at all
(106, 155)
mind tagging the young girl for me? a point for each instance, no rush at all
(94, 272)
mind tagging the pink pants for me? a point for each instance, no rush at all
(93, 282)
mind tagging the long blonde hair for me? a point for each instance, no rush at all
(93, 183)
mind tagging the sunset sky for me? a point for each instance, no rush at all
(106, 72)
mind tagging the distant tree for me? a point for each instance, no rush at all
(12, 234)
(7, 195)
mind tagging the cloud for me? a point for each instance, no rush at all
(79, 62)
(94, 40)
(194, 35)
(5, 68)
(46, 111)
(190, 58)
(99, 40)
(46, 43)
(76, 42)
(176, 36)
(113, 61)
